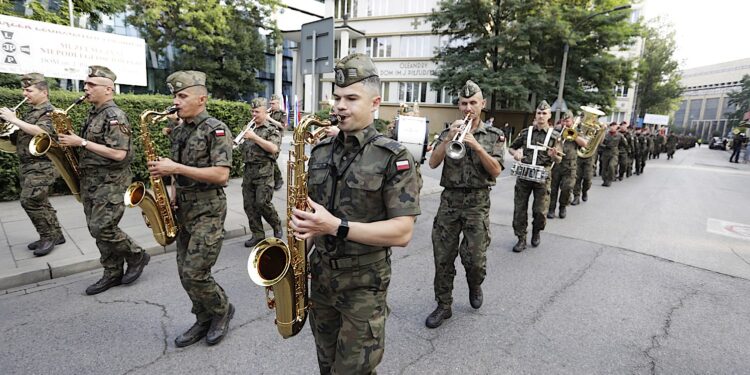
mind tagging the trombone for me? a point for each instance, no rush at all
(456, 148)
(240, 138)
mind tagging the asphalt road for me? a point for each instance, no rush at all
(648, 276)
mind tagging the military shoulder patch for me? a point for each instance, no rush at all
(219, 132)
(403, 165)
(389, 144)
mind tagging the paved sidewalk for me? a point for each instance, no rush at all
(19, 266)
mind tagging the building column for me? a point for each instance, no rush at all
(279, 75)
(344, 44)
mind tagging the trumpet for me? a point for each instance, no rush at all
(456, 148)
(8, 131)
(569, 134)
(240, 138)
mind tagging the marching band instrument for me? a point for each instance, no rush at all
(412, 132)
(550, 147)
(456, 148)
(282, 267)
(156, 208)
(533, 173)
(240, 138)
(64, 158)
(569, 134)
(591, 130)
(8, 132)
(313, 137)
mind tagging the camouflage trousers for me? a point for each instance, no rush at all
(561, 186)
(257, 193)
(201, 216)
(461, 211)
(609, 167)
(523, 191)
(276, 172)
(36, 179)
(348, 314)
(623, 165)
(640, 162)
(584, 175)
(102, 198)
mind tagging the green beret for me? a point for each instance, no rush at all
(543, 105)
(567, 114)
(101, 71)
(183, 79)
(354, 68)
(258, 103)
(470, 89)
(31, 79)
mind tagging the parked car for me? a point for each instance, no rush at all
(717, 143)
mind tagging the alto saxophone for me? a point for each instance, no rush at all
(282, 267)
(156, 208)
(64, 158)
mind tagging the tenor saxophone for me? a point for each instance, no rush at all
(63, 158)
(282, 267)
(156, 208)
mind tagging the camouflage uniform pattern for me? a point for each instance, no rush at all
(357, 179)
(258, 180)
(671, 145)
(279, 116)
(641, 148)
(464, 208)
(623, 155)
(610, 149)
(202, 208)
(36, 174)
(524, 188)
(564, 176)
(103, 185)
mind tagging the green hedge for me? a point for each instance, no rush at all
(234, 114)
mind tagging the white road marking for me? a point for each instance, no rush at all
(728, 228)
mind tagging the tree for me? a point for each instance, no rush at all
(659, 77)
(57, 11)
(220, 38)
(513, 50)
(741, 101)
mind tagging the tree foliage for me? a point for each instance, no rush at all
(57, 12)
(659, 77)
(741, 101)
(220, 38)
(513, 49)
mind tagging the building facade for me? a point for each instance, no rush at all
(705, 104)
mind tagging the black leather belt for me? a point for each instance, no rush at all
(355, 261)
(196, 195)
(469, 190)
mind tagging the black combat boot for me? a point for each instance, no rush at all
(278, 233)
(550, 214)
(562, 213)
(584, 196)
(536, 239)
(103, 284)
(192, 335)
(252, 241)
(520, 245)
(435, 319)
(475, 296)
(279, 183)
(576, 201)
(134, 270)
(44, 247)
(219, 327)
(58, 241)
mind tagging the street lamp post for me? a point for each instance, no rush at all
(566, 47)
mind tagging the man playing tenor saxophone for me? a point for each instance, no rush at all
(364, 191)
(104, 160)
(202, 158)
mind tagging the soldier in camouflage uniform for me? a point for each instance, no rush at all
(36, 174)
(564, 172)
(104, 160)
(278, 118)
(365, 198)
(536, 145)
(641, 143)
(260, 151)
(464, 203)
(671, 145)
(201, 160)
(624, 151)
(610, 152)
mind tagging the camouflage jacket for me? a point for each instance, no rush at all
(568, 162)
(261, 160)
(468, 172)
(624, 145)
(364, 177)
(106, 125)
(201, 142)
(537, 137)
(279, 116)
(610, 144)
(39, 115)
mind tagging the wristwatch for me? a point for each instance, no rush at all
(343, 229)
(84, 143)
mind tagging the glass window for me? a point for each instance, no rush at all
(379, 47)
(621, 91)
(342, 7)
(416, 46)
(712, 108)
(679, 116)
(695, 109)
(384, 90)
(409, 92)
(444, 97)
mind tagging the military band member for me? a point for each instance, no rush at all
(104, 160)
(536, 145)
(625, 152)
(564, 172)
(671, 145)
(260, 151)
(464, 203)
(610, 152)
(641, 147)
(201, 160)
(36, 173)
(363, 189)
(278, 118)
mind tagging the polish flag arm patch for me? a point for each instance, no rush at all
(402, 165)
(219, 132)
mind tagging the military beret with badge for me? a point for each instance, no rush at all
(102, 71)
(354, 68)
(183, 79)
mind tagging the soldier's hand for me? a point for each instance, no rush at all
(166, 131)
(250, 135)
(332, 131)
(162, 167)
(471, 142)
(518, 155)
(7, 114)
(69, 140)
(311, 224)
(552, 152)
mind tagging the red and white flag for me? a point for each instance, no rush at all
(402, 165)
